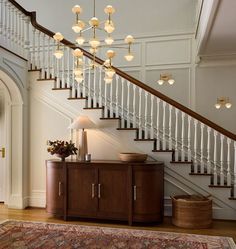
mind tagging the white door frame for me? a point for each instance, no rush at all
(15, 162)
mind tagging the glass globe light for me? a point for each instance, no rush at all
(58, 54)
(129, 57)
(228, 105)
(78, 26)
(109, 40)
(78, 71)
(110, 72)
(94, 42)
(77, 9)
(109, 26)
(58, 37)
(110, 53)
(79, 78)
(129, 39)
(94, 22)
(171, 81)
(77, 52)
(80, 40)
(108, 80)
(217, 106)
(160, 82)
(109, 10)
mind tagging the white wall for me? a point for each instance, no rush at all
(133, 16)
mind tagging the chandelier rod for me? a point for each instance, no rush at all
(94, 8)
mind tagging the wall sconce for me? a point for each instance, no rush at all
(223, 101)
(166, 78)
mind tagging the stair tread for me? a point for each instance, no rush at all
(91, 108)
(110, 118)
(232, 198)
(34, 70)
(146, 139)
(46, 79)
(61, 88)
(127, 129)
(74, 98)
(163, 151)
(181, 162)
(218, 186)
(200, 174)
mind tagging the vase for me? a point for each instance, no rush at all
(62, 156)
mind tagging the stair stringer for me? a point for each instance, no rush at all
(178, 176)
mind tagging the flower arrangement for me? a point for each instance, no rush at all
(62, 149)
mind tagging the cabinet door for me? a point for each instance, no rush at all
(81, 190)
(148, 193)
(113, 192)
(55, 188)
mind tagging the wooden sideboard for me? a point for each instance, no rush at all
(105, 190)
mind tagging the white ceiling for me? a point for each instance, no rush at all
(221, 39)
(132, 16)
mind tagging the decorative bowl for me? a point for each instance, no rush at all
(133, 157)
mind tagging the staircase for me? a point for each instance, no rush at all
(193, 148)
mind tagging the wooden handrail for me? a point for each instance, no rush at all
(131, 79)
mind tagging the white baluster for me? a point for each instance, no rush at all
(146, 116)
(228, 162)
(202, 170)
(152, 120)
(68, 54)
(89, 88)
(157, 124)
(128, 104)
(140, 114)
(43, 58)
(63, 62)
(182, 138)
(111, 100)
(9, 22)
(170, 127)
(73, 86)
(27, 42)
(208, 150)
(105, 102)
(215, 159)
(235, 169)
(117, 96)
(94, 87)
(189, 139)
(122, 102)
(164, 127)
(38, 52)
(85, 80)
(195, 147)
(221, 160)
(33, 48)
(4, 27)
(1, 17)
(176, 135)
(100, 86)
(48, 73)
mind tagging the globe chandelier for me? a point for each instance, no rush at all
(94, 43)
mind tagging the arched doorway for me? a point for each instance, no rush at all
(12, 133)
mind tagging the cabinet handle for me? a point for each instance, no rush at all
(93, 191)
(135, 193)
(99, 190)
(59, 189)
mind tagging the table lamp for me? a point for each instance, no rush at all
(81, 123)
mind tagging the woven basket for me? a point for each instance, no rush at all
(191, 211)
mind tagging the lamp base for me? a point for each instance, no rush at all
(84, 146)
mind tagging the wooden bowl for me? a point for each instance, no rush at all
(133, 157)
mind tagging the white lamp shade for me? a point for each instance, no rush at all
(82, 122)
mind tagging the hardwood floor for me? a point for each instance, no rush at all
(221, 228)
